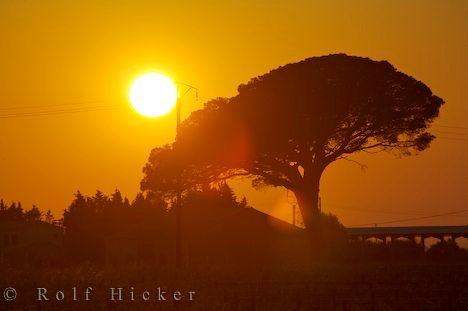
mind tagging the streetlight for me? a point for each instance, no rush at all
(154, 95)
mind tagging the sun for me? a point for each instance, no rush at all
(153, 94)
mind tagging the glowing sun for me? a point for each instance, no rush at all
(153, 94)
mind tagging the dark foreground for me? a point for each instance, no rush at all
(376, 286)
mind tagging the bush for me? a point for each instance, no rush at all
(447, 251)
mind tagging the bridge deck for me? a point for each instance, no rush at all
(426, 231)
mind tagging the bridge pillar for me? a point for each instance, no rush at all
(385, 240)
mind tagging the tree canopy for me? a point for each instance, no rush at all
(285, 127)
(15, 212)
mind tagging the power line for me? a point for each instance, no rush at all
(359, 209)
(410, 219)
(351, 208)
(78, 107)
(449, 132)
(452, 138)
(57, 105)
(452, 127)
(57, 112)
(74, 108)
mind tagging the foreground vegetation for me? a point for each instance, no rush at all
(347, 276)
(322, 286)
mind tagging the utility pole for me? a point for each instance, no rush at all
(179, 235)
(179, 198)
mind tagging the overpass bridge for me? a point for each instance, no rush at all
(416, 233)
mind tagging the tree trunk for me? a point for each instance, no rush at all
(307, 199)
(326, 235)
(307, 196)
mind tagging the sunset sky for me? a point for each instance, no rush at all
(66, 67)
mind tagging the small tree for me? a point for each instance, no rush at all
(49, 217)
(34, 214)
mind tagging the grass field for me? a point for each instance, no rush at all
(365, 286)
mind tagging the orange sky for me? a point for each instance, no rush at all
(64, 52)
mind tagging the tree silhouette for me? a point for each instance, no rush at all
(90, 220)
(34, 214)
(160, 174)
(285, 127)
(15, 212)
(49, 217)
